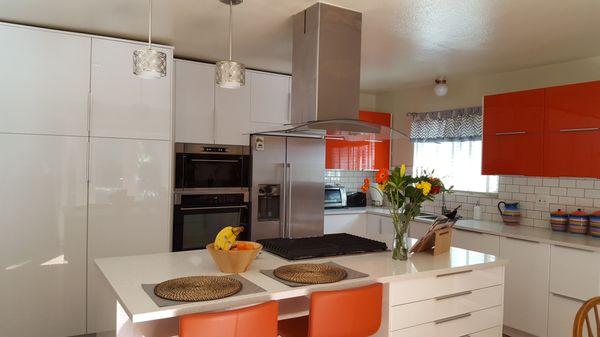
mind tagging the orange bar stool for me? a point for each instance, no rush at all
(341, 313)
(256, 321)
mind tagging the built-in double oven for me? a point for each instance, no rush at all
(211, 192)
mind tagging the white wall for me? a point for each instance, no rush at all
(465, 92)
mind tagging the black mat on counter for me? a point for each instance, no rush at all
(247, 289)
(352, 274)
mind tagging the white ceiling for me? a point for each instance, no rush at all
(405, 42)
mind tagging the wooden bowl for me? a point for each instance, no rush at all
(234, 261)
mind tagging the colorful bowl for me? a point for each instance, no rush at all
(559, 220)
(595, 224)
(579, 222)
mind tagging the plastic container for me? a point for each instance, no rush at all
(579, 222)
(477, 212)
(559, 220)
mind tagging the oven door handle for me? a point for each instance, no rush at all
(214, 160)
(212, 207)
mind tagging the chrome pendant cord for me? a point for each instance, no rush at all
(150, 24)
(230, 28)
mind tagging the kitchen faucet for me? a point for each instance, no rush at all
(444, 208)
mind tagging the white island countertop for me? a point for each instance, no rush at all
(126, 275)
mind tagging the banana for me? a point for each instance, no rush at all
(227, 237)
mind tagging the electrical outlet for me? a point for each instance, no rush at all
(541, 200)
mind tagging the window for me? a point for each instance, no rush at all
(457, 163)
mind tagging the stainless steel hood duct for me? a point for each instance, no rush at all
(326, 77)
(326, 64)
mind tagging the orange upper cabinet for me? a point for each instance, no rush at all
(346, 155)
(572, 125)
(513, 138)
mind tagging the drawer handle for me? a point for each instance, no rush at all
(452, 318)
(456, 273)
(524, 240)
(445, 297)
(510, 133)
(568, 297)
(574, 248)
(580, 130)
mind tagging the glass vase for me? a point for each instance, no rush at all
(400, 244)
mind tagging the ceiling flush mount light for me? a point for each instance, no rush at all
(149, 63)
(230, 74)
(441, 88)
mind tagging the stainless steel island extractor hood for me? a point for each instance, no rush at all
(326, 64)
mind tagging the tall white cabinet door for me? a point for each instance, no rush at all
(129, 211)
(46, 90)
(124, 105)
(270, 98)
(232, 115)
(43, 241)
(526, 285)
(194, 102)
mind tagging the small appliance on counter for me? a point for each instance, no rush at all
(357, 199)
(376, 195)
(335, 196)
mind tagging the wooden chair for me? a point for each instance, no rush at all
(583, 319)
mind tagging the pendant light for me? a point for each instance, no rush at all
(230, 74)
(149, 63)
(441, 88)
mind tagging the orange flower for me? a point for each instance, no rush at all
(382, 176)
(366, 184)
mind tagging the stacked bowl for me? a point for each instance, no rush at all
(559, 220)
(595, 224)
(579, 222)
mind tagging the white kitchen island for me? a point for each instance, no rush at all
(454, 294)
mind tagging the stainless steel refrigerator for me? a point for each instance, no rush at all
(287, 188)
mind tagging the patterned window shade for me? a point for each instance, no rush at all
(450, 125)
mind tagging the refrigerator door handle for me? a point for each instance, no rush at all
(283, 215)
(289, 202)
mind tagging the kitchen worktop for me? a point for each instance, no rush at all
(544, 235)
(125, 275)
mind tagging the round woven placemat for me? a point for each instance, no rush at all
(198, 288)
(310, 273)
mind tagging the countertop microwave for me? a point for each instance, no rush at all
(335, 196)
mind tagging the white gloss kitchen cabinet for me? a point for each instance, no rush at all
(44, 92)
(86, 173)
(129, 211)
(194, 102)
(527, 283)
(346, 223)
(479, 242)
(124, 105)
(206, 113)
(43, 244)
(574, 278)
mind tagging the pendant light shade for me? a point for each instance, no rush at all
(149, 63)
(230, 74)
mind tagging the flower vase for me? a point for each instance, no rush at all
(400, 244)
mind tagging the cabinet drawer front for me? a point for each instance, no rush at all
(411, 314)
(493, 332)
(479, 242)
(420, 289)
(561, 315)
(574, 273)
(475, 322)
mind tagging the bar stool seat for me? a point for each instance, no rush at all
(341, 313)
(256, 321)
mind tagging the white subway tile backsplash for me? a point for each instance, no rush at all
(534, 181)
(575, 192)
(526, 189)
(512, 188)
(585, 184)
(505, 180)
(519, 181)
(550, 182)
(593, 194)
(542, 190)
(560, 191)
(566, 200)
(568, 183)
(584, 202)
